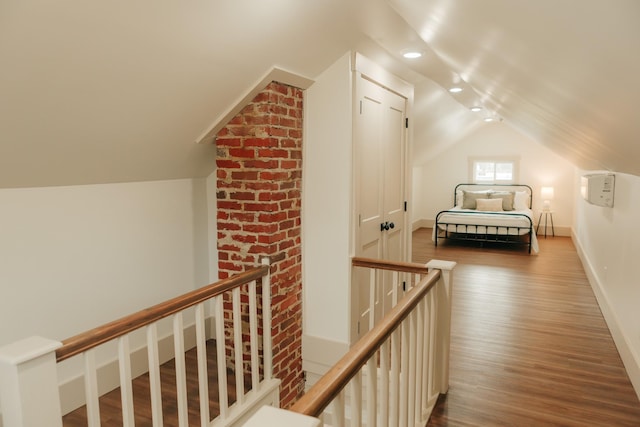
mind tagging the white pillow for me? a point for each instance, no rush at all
(469, 198)
(489, 205)
(521, 201)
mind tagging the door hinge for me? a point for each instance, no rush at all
(406, 122)
(358, 328)
(404, 286)
(405, 205)
(360, 107)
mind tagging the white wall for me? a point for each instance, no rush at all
(435, 180)
(326, 204)
(72, 258)
(608, 240)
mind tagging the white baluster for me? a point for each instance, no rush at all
(355, 399)
(181, 370)
(337, 409)
(267, 350)
(411, 384)
(221, 356)
(404, 372)
(394, 407)
(126, 388)
(372, 391)
(253, 335)
(154, 375)
(431, 345)
(91, 389)
(237, 341)
(201, 348)
(394, 292)
(420, 355)
(384, 384)
(373, 273)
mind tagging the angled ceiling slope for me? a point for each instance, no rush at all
(564, 73)
(275, 74)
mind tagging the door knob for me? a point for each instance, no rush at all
(384, 226)
(391, 225)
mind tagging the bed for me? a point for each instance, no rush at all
(489, 213)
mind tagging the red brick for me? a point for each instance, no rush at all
(244, 175)
(261, 207)
(229, 142)
(229, 205)
(261, 185)
(258, 142)
(271, 196)
(243, 195)
(273, 176)
(229, 226)
(274, 153)
(243, 238)
(261, 164)
(242, 152)
(260, 159)
(289, 164)
(245, 217)
(272, 217)
(228, 164)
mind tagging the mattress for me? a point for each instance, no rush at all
(478, 222)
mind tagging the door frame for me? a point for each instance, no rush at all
(363, 67)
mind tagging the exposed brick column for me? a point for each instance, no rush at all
(259, 182)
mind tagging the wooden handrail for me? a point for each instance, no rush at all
(330, 385)
(408, 267)
(107, 332)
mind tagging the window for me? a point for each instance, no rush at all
(493, 170)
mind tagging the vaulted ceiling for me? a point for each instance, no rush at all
(97, 92)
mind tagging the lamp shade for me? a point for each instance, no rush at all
(546, 193)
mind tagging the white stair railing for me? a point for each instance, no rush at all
(394, 374)
(29, 384)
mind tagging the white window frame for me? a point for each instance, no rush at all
(514, 160)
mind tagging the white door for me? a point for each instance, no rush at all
(394, 244)
(380, 152)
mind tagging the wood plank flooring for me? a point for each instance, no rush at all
(529, 344)
(111, 407)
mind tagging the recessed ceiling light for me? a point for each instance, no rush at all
(476, 108)
(455, 89)
(412, 54)
(488, 119)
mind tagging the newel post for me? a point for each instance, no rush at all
(443, 329)
(29, 383)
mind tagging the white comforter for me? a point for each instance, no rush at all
(488, 223)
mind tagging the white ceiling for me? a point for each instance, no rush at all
(97, 92)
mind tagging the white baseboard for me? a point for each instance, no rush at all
(629, 356)
(422, 223)
(319, 355)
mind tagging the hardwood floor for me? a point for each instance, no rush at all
(111, 407)
(529, 345)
